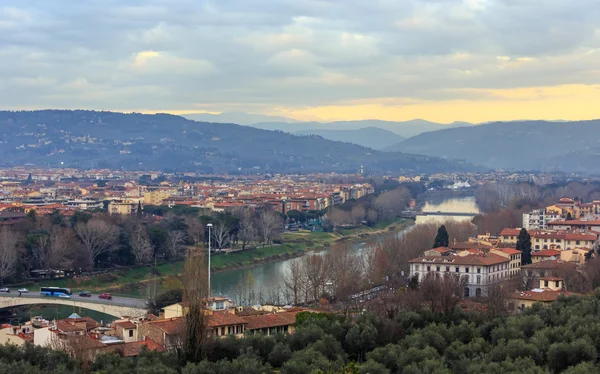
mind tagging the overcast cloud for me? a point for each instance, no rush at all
(268, 56)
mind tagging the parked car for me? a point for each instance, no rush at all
(105, 295)
(85, 294)
(64, 296)
(4, 289)
(23, 290)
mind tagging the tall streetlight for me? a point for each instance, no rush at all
(209, 236)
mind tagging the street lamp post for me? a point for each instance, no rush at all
(209, 236)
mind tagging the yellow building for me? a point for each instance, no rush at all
(156, 196)
(514, 255)
(551, 288)
(122, 207)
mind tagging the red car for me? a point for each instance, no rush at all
(105, 295)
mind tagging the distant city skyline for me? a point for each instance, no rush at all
(442, 61)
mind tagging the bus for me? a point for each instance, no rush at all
(54, 291)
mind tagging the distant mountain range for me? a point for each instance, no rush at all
(372, 137)
(240, 118)
(517, 145)
(91, 139)
(405, 129)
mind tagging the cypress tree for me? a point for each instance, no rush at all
(441, 239)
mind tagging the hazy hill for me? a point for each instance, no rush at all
(405, 129)
(525, 145)
(241, 118)
(167, 142)
(372, 137)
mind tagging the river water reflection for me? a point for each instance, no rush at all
(268, 278)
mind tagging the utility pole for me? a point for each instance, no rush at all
(209, 236)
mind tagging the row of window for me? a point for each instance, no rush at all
(467, 269)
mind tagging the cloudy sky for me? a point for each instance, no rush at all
(441, 60)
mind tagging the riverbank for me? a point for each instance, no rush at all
(133, 281)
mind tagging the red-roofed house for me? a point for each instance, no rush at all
(481, 270)
(546, 254)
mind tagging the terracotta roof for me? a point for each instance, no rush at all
(546, 253)
(65, 326)
(224, 319)
(508, 251)
(510, 232)
(575, 222)
(270, 320)
(542, 296)
(134, 348)
(550, 264)
(171, 326)
(551, 278)
(474, 259)
(126, 325)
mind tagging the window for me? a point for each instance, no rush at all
(467, 292)
(556, 284)
(131, 333)
(428, 268)
(437, 268)
(457, 269)
(219, 305)
(417, 267)
(222, 330)
(466, 270)
(478, 270)
(447, 268)
(545, 283)
(479, 279)
(478, 292)
(577, 242)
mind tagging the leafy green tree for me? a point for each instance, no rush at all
(280, 354)
(441, 239)
(361, 338)
(524, 245)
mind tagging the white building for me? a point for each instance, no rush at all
(535, 220)
(481, 270)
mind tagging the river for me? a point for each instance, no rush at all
(268, 278)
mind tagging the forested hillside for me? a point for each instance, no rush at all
(166, 142)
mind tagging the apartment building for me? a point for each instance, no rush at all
(481, 270)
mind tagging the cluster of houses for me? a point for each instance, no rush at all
(128, 336)
(487, 261)
(126, 197)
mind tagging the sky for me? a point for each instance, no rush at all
(440, 60)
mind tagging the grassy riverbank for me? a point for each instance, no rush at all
(132, 281)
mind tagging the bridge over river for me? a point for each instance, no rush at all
(118, 306)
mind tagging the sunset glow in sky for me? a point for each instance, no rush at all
(440, 60)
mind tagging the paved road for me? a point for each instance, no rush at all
(120, 301)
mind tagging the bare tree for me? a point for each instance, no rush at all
(195, 291)
(345, 272)
(315, 268)
(61, 249)
(247, 229)
(8, 252)
(220, 234)
(391, 203)
(442, 292)
(294, 281)
(175, 241)
(98, 236)
(269, 225)
(141, 245)
(358, 214)
(195, 229)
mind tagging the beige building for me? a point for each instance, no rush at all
(122, 207)
(515, 259)
(16, 335)
(156, 196)
(551, 288)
